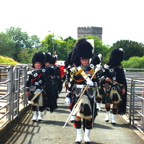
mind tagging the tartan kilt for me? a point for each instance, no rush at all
(60, 85)
(50, 92)
(55, 82)
(75, 99)
(106, 98)
(45, 100)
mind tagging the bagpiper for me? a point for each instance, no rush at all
(97, 60)
(81, 75)
(57, 70)
(68, 66)
(115, 86)
(49, 60)
(39, 87)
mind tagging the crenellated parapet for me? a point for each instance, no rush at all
(86, 31)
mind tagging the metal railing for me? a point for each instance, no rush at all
(5, 100)
(135, 104)
(12, 92)
(13, 97)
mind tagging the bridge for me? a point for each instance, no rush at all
(17, 127)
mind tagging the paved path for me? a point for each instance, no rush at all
(50, 130)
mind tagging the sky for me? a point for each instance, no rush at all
(119, 19)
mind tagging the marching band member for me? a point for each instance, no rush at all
(115, 86)
(96, 60)
(39, 87)
(81, 75)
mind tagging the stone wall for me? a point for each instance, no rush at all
(86, 31)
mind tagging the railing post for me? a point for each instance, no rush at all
(133, 100)
(26, 97)
(24, 83)
(0, 75)
(12, 94)
(17, 87)
(130, 101)
(142, 101)
(9, 90)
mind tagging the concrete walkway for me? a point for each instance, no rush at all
(50, 130)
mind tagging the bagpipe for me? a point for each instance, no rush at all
(75, 106)
(113, 89)
(35, 97)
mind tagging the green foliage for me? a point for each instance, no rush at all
(21, 47)
(51, 45)
(130, 48)
(35, 41)
(47, 44)
(100, 48)
(134, 62)
(7, 61)
(70, 45)
(7, 46)
(25, 55)
(21, 40)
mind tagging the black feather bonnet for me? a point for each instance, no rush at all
(48, 57)
(38, 57)
(116, 57)
(68, 59)
(83, 49)
(96, 59)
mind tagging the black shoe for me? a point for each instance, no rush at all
(47, 108)
(87, 142)
(78, 142)
(72, 121)
(106, 120)
(113, 123)
(34, 120)
(39, 120)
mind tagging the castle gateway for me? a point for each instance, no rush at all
(86, 31)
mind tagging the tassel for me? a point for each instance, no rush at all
(115, 97)
(31, 95)
(87, 110)
(101, 90)
(82, 108)
(36, 99)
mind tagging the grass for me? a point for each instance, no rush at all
(7, 61)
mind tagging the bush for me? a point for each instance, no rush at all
(134, 62)
(8, 61)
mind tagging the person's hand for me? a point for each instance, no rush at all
(67, 100)
(107, 80)
(27, 93)
(90, 83)
(123, 91)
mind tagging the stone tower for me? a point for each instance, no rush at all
(86, 31)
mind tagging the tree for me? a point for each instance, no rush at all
(22, 40)
(47, 44)
(35, 41)
(57, 44)
(69, 38)
(25, 55)
(130, 48)
(134, 62)
(70, 44)
(100, 48)
(7, 46)
(19, 38)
